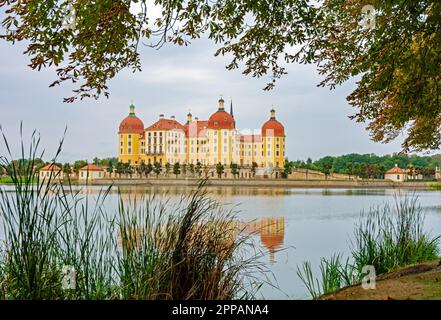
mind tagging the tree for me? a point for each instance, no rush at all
(254, 166)
(157, 169)
(219, 169)
(167, 168)
(396, 54)
(176, 169)
(2, 171)
(287, 169)
(198, 168)
(234, 169)
(206, 171)
(90, 42)
(110, 168)
(327, 169)
(148, 169)
(191, 169)
(66, 169)
(78, 165)
(141, 169)
(120, 168)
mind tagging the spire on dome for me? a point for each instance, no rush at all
(221, 104)
(231, 108)
(273, 114)
(132, 110)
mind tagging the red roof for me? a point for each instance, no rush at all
(221, 120)
(51, 167)
(397, 170)
(196, 128)
(91, 167)
(131, 124)
(166, 124)
(250, 138)
(273, 128)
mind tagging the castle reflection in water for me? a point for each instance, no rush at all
(271, 231)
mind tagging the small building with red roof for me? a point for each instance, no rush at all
(397, 174)
(50, 171)
(91, 172)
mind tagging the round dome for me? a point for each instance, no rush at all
(272, 241)
(131, 123)
(221, 120)
(273, 128)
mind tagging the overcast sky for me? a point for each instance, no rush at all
(175, 80)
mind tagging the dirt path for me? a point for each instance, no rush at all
(418, 282)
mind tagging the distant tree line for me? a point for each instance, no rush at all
(370, 166)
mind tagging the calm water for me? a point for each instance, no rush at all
(294, 225)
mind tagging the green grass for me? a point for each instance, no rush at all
(436, 185)
(9, 180)
(386, 237)
(147, 249)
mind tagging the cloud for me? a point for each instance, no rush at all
(174, 80)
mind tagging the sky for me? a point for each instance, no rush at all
(173, 81)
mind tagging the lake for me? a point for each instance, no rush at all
(293, 225)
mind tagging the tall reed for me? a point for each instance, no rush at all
(148, 249)
(386, 237)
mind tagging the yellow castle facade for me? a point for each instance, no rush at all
(207, 142)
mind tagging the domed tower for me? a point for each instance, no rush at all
(221, 127)
(273, 139)
(130, 138)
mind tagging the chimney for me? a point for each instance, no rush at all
(172, 117)
(161, 116)
(196, 118)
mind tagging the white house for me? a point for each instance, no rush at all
(397, 174)
(90, 172)
(50, 171)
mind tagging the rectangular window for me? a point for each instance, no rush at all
(130, 151)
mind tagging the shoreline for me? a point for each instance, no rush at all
(263, 183)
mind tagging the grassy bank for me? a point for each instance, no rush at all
(386, 238)
(420, 281)
(9, 180)
(436, 186)
(61, 245)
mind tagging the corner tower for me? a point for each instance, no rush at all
(273, 139)
(130, 138)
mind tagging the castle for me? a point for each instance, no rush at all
(207, 142)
